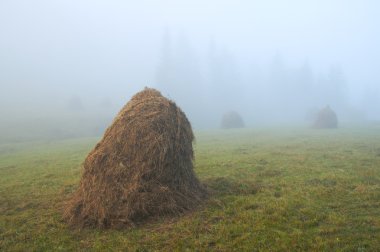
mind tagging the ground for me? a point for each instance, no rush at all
(289, 189)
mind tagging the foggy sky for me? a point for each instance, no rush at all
(105, 51)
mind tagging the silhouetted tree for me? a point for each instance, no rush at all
(224, 79)
(165, 72)
(304, 87)
(338, 86)
(178, 74)
(332, 89)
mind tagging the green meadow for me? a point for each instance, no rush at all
(288, 189)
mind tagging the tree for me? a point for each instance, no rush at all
(337, 86)
(304, 86)
(225, 83)
(165, 71)
(178, 74)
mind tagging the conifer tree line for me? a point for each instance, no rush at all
(209, 85)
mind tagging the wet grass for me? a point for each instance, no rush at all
(272, 190)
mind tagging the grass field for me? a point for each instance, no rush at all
(292, 189)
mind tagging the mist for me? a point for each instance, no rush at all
(67, 67)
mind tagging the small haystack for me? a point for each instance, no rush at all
(141, 169)
(232, 120)
(326, 119)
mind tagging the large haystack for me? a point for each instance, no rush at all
(326, 119)
(232, 120)
(142, 168)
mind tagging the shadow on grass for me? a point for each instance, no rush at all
(222, 186)
(322, 182)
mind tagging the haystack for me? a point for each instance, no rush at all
(326, 119)
(141, 169)
(232, 120)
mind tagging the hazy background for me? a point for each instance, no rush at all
(67, 67)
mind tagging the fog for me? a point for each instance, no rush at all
(67, 67)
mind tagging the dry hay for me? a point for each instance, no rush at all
(326, 118)
(141, 169)
(232, 120)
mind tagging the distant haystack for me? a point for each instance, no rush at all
(232, 120)
(326, 119)
(141, 169)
